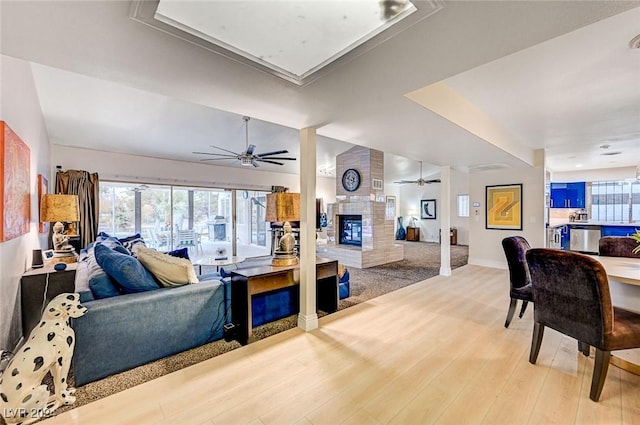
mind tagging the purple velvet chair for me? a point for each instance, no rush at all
(571, 295)
(617, 246)
(515, 248)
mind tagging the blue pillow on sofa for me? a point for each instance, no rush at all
(130, 241)
(126, 270)
(179, 253)
(99, 282)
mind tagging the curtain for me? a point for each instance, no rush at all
(85, 185)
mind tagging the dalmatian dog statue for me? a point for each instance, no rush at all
(49, 348)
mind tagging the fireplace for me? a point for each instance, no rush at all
(350, 229)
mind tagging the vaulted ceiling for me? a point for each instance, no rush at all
(553, 75)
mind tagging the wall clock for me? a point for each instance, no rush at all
(351, 180)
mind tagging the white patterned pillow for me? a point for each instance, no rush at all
(168, 270)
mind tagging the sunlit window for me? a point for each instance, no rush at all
(463, 205)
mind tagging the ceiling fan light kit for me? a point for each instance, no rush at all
(248, 158)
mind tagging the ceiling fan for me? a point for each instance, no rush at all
(420, 181)
(248, 157)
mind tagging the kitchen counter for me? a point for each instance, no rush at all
(554, 223)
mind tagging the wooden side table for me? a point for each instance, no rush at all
(38, 287)
(413, 234)
(257, 280)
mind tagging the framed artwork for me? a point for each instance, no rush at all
(390, 207)
(15, 188)
(43, 186)
(504, 207)
(47, 255)
(428, 209)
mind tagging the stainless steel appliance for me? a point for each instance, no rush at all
(584, 238)
(554, 237)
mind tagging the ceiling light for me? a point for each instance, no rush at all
(635, 42)
(578, 165)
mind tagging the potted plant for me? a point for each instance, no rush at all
(636, 237)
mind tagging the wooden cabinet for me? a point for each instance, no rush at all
(568, 195)
(413, 234)
(38, 287)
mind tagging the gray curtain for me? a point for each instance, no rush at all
(85, 185)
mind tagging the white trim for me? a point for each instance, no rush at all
(307, 322)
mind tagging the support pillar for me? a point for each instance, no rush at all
(308, 316)
(445, 220)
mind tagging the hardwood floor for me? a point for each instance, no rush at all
(431, 353)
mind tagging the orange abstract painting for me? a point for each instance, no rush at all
(504, 207)
(15, 210)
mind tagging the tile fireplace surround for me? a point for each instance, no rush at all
(378, 245)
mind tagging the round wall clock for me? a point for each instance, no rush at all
(351, 180)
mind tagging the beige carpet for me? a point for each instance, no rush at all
(422, 261)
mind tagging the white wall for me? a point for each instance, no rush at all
(599, 175)
(410, 196)
(20, 109)
(485, 245)
(132, 168)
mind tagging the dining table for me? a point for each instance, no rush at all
(624, 285)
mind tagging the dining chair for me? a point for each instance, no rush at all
(515, 248)
(571, 295)
(617, 246)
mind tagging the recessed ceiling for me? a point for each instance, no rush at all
(291, 39)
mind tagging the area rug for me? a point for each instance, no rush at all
(422, 261)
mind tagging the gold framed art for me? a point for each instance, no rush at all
(504, 207)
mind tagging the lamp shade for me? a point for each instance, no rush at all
(62, 208)
(283, 206)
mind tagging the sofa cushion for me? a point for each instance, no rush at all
(168, 270)
(97, 280)
(126, 270)
(130, 241)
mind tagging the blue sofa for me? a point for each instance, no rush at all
(126, 331)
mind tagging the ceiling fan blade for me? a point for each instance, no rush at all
(406, 181)
(254, 163)
(216, 154)
(273, 153)
(220, 159)
(269, 161)
(223, 149)
(432, 181)
(250, 149)
(277, 158)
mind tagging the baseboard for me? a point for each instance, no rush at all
(308, 322)
(488, 263)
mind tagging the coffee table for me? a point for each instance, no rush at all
(211, 261)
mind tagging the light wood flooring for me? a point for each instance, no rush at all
(432, 353)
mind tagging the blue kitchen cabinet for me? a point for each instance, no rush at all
(568, 195)
(618, 230)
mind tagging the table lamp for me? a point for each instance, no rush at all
(60, 209)
(284, 207)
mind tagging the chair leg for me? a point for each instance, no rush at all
(584, 348)
(512, 310)
(536, 341)
(600, 369)
(524, 307)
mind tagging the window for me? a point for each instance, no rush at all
(615, 201)
(463, 205)
(157, 212)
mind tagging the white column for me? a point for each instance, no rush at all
(445, 220)
(308, 317)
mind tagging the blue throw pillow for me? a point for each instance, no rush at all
(180, 253)
(99, 282)
(130, 241)
(224, 273)
(126, 270)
